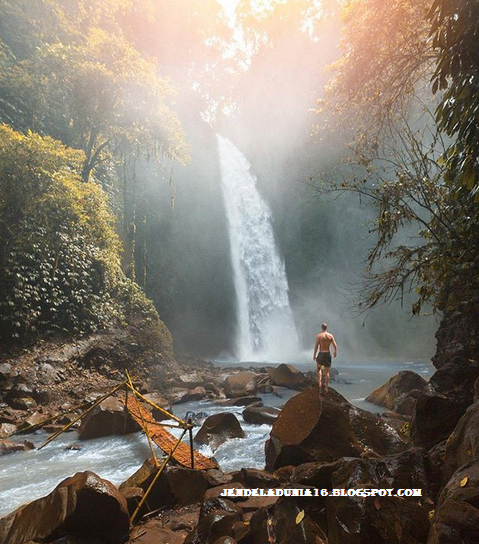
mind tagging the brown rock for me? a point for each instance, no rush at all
(217, 477)
(310, 428)
(8, 446)
(394, 394)
(252, 477)
(435, 416)
(288, 376)
(456, 518)
(216, 524)
(216, 491)
(160, 401)
(197, 393)
(133, 496)
(175, 486)
(218, 428)
(260, 415)
(220, 503)
(105, 420)
(241, 401)
(463, 444)
(241, 384)
(7, 429)
(225, 540)
(84, 504)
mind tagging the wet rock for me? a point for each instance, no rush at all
(225, 540)
(241, 384)
(133, 496)
(175, 486)
(220, 503)
(456, 518)
(216, 524)
(241, 401)
(451, 388)
(9, 446)
(435, 416)
(160, 401)
(313, 428)
(84, 505)
(217, 477)
(7, 372)
(288, 376)
(46, 374)
(463, 444)
(218, 428)
(197, 393)
(216, 491)
(107, 419)
(252, 478)
(399, 392)
(152, 533)
(260, 415)
(6, 429)
(22, 403)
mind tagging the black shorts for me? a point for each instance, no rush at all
(324, 358)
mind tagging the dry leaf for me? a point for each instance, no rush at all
(464, 482)
(299, 517)
(377, 504)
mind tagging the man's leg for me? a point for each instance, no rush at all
(319, 377)
(326, 378)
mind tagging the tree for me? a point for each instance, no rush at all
(426, 233)
(59, 254)
(455, 35)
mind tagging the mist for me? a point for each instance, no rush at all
(266, 110)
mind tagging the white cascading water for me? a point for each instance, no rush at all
(266, 330)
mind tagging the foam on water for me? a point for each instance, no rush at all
(25, 476)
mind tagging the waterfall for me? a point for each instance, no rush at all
(266, 328)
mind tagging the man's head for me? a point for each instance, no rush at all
(324, 326)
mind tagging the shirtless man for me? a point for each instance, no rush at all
(323, 357)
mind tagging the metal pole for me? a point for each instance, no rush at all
(157, 475)
(192, 451)
(125, 411)
(66, 427)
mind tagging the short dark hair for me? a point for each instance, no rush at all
(324, 326)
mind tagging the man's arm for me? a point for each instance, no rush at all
(335, 346)
(316, 346)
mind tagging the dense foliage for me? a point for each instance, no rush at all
(402, 157)
(81, 107)
(59, 254)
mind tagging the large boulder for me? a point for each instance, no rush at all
(314, 428)
(394, 394)
(405, 470)
(289, 376)
(451, 388)
(217, 429)
(241, 384)
(260, 415)
(463, 444)
(84, 505)
(456, 518)
(107, 419)
(176, 485)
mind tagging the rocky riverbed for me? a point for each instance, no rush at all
(426, 438)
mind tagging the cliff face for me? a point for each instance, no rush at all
(451, 388)
(457, 339)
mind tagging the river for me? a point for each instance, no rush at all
(25, 476)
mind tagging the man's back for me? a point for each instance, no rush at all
(325, 340)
